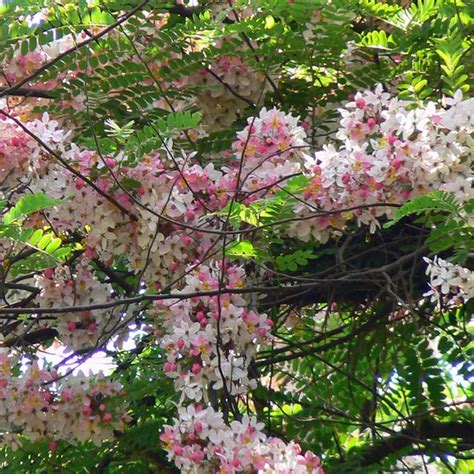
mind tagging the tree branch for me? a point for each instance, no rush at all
(428, 429)
(25, 92)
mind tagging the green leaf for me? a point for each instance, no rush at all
(242, 249)
(29, 204)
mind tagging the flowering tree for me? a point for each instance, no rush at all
(236, 237)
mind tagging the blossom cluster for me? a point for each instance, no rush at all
(268, 151)
(211, 340)
(61, 287)
(13, 154)
(108, 231)
(225, 88)
(22, 65)
(390, 152)
(200, 442)
(449, 282)
(39, 403)
(167, 193)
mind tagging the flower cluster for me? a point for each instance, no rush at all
(390, 153)
(39, 403)
(449, 282)
(211, 340)
(153, 244)
(226, 88)
(200, 442)
(22, 65)
(13, 154)
(268, 151)
(61, 287)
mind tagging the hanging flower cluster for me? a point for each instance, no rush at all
(449, 282)
(390, 153)
(13, 154)
(226, 88)
(201, 442)
(38, 404)
(210, 343)
(211, 340)
(268, 151)
(61, 287)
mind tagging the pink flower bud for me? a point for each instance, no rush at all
(169, 366)
(198, 427)
(49, 273)
(197, 456)
(90, 252)
(66, 395)
(92, 327)
(360, 103)
(71, 326)
(371, 123)
(86, 411)
(107, 418)
(53, 445)
(196, 368)
(187, 240)
(397, 163)
(392, 139)
(180, 343)
(46, 396)
(110, 162)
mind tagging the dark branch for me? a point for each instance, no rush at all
(24, 92)
(428, 430)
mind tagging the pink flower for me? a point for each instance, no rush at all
(197, 456)
(71, 326)
(169, 367)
